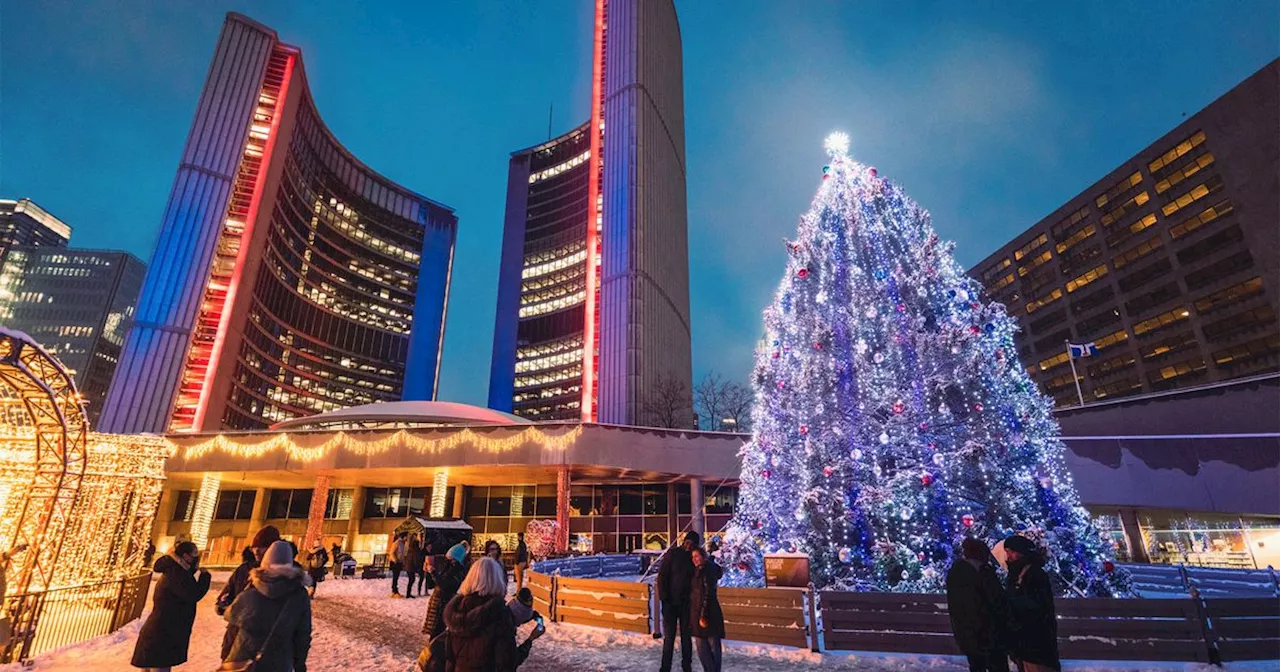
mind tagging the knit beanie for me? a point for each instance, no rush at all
(458, 552)
(265, 537)
(279, 555)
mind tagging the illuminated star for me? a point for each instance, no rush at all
(836, 144)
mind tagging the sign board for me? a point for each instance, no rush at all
(786, 570)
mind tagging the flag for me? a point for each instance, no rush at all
(1084, 350)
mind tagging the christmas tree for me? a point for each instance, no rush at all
(892, 418)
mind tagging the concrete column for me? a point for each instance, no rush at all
(357, 512)
(562, 510)
(698, 505)
(459, 500)
(673, 515)
(258, 518)
(1133, 536)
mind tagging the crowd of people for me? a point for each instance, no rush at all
(471, 625)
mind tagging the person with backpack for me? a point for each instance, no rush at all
(239, 581)
(166, 634)
(272, 617)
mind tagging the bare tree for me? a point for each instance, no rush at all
(668, 404)
(736, 402)
(708, 400)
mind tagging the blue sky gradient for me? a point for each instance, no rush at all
(991, 114)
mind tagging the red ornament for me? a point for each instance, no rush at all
(975, 330)
(899, 407)
(933, 446)
(975, 305)
(817, 346)
(902, 307)
(827, 471)
(804, 429)
(824, 177)
(776, 354)
(926, 479)
(977, 407)
(967, 520)
(802, 273)
(873, 172)
(1108, 566)
(742, 566)
(766, 473)
(781, 385)
(924, 426)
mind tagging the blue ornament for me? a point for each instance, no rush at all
(881, 274)
(989, 328)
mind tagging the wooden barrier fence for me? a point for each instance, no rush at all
(621, 605)
(1184, 629)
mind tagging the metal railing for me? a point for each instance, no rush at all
(51, 619)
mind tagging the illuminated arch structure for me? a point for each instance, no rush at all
(46, 436)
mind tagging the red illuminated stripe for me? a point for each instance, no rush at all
(593, 212)
(224, 318)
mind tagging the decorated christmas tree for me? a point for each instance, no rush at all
(892, 418)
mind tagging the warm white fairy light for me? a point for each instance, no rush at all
(299, 447)
(202, 517)
(439, 490)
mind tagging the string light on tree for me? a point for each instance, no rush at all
(911, 427)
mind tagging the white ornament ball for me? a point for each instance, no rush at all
(905, 574)
(856, 454)
(929, 572)
(884, 437)
(905, 515)
(938, 459)
(799, 514)
(871, 312)
(879, 357)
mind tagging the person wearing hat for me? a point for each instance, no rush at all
(1033, 622)
(448, 579)
(977, 607)
(239, 580)
(272, 616)
(165, 635)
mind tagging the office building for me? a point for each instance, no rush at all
(1169, 264)
(593, 294)
(25, 223)
(75, 303)
(289, 278)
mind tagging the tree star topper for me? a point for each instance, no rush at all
(836, 144)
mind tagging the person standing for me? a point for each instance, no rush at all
(1033, 621)
(977, 607)
(705, 616)
(448, 578)
(412, 564)
(675, 581)
(150, 553)
(239, 580)
(482, 632)
(317, 565)
(395, 557)
(335, 555)
(273, 616)
(522, 559)
(163, 640)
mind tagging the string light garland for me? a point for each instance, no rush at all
(439, 492)
(206, 500)
(295, 445)
(892, 417)
(315, 514)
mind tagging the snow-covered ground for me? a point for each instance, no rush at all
(358, 627)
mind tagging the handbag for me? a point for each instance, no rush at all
(250, 664)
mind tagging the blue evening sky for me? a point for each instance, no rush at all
(991, 114)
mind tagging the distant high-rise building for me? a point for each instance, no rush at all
(593, 293)
(1169, 265)
(25, 223)
(76, 303)
(289, 278)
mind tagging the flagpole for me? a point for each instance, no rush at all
(1074, 377)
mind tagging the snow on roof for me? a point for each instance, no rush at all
(407, 412)
(442, 524)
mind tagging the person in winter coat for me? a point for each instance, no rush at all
(522, 559)
(273, 616)
(675, 581)
(1033, 622)
(705, 615)
(395, 558)
(162, 642)
(448, 578)
(978, 609)
(482, 633)
(317, 566)
(413, 565)
(239, 580)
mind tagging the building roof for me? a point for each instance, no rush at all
(404, 413)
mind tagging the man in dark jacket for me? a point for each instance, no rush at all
(522, 559)
(1033, 623)
(976, 603)
(162, 642)
(448, 578)
(273, 616)
(239, 580)
(675, 581)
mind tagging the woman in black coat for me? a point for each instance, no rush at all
(272, 616)
(448, 578)
(978, 608)
(1033, 621)
(705, 614)
(162, 642)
